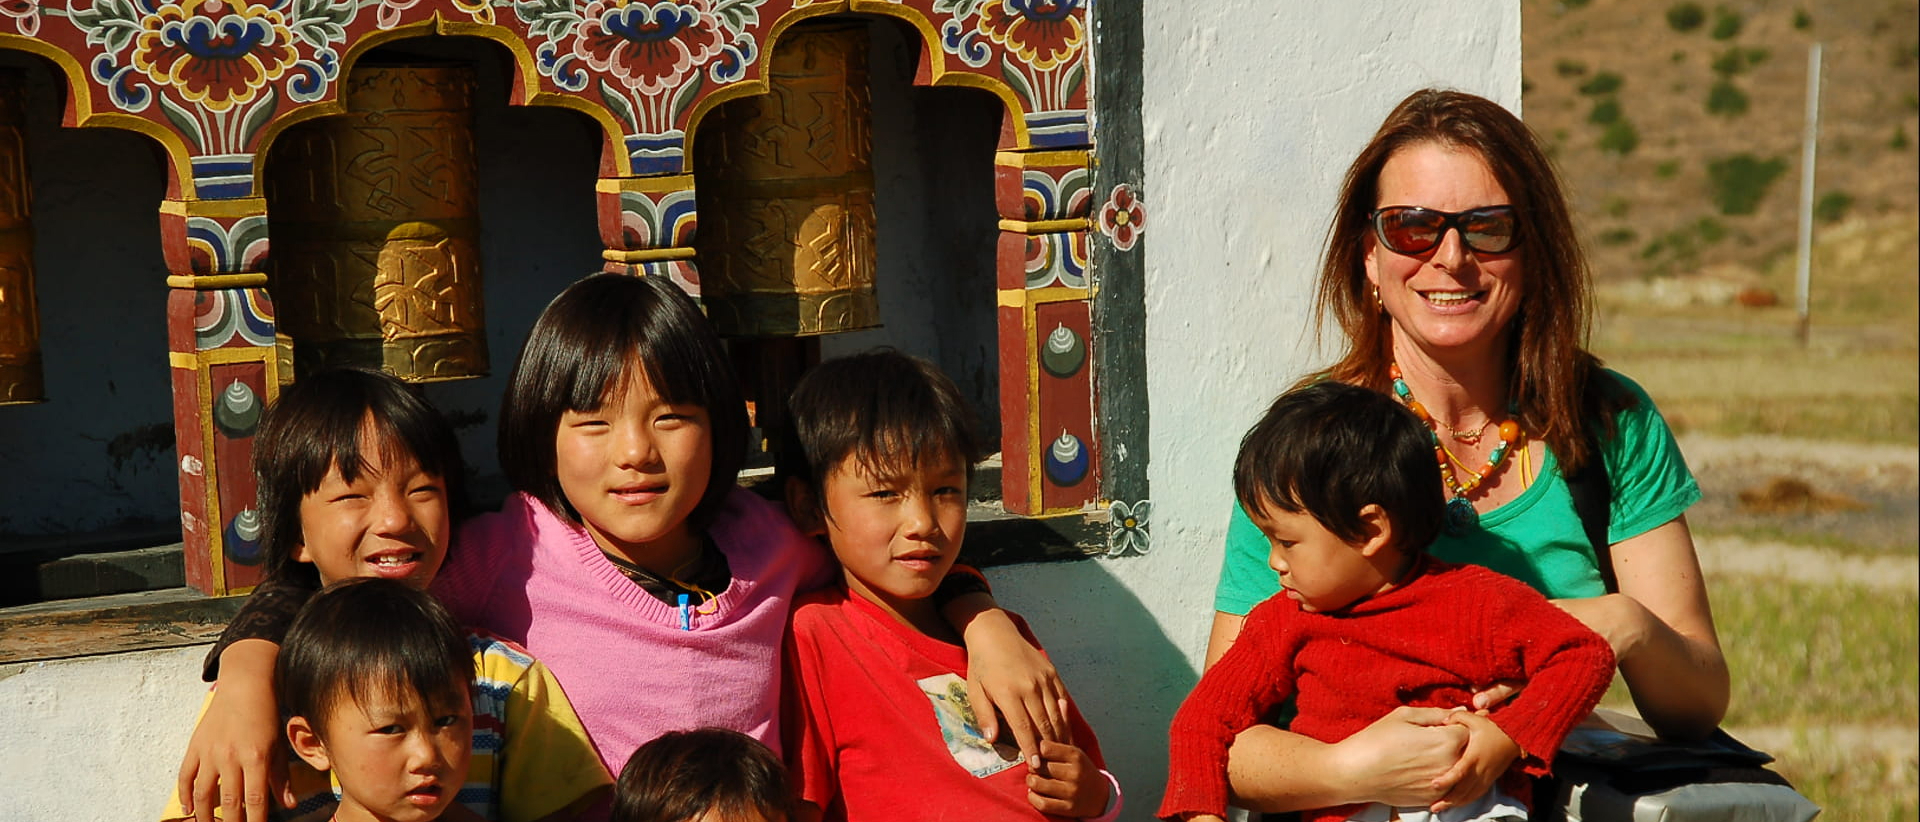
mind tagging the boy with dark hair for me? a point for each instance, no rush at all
(378, 680)
(877, 725)
(356, 474)
(1340, 479)
(703, 775)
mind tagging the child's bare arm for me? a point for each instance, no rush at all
(1006, 671)
(234, 761)
(1062, 780)
(1489, 753)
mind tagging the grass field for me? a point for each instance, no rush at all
(1829, 672)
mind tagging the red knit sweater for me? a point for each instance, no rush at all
(1449, 631)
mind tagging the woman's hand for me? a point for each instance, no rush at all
(236, 759)
(1496, 694)
(1410, 757)
(1009, 678)
(1488, 754)
(1062, 780)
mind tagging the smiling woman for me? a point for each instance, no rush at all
(1456, 277)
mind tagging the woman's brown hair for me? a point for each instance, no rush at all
(1553, 376)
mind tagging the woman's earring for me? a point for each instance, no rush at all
(1376, 298)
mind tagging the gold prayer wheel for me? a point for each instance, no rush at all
(786, 237)
(375, 221)
(21, 378)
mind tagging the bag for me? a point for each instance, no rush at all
(1613, 769)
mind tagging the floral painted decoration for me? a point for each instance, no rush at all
(1123, 217)
(1129, 532)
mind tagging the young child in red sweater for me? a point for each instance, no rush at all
(1341, 480)
(875, 716)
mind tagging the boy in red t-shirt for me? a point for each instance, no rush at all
(875, 716)
(1341, 481)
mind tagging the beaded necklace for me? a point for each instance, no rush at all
(1461, 517)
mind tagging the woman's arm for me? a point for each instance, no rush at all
(1400, 759)
(1661, 630)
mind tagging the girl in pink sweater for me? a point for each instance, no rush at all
(629, 562)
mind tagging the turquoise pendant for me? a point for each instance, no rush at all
(1461, 517)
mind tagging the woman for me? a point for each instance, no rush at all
(1453, 269)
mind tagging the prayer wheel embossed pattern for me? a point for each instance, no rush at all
(786, 239)
(375, 222)
(21, 378)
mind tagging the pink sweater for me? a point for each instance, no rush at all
(629, 668)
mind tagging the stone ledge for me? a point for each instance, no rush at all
(112, 624)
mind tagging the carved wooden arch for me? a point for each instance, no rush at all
(79, 111)
(930, 69)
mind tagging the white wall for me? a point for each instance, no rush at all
(95, 738)
(1252, 111)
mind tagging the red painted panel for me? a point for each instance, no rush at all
(1069, 464)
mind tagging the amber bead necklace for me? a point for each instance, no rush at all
(1460, 513)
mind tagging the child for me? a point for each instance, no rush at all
(878, 725)
(1341, 481)
(704, 775)
(628, 560)
(378, 680)
(354, 476)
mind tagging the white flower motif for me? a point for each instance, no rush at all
(1129, 532)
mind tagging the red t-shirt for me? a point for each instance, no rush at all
(877, 726)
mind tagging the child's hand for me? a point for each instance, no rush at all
(1488, 754)
(1062, 781)
(1008, 677)
(235, 760)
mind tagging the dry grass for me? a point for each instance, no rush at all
(1661, 189)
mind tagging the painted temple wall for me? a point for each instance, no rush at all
(1251, 111)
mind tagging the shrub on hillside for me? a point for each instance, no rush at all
(1605, 111)
(1667, 169)
(1685, 17)
(1740, 182)
(1569, 68)
(1737, 60)
(1726, 99)
(1832, 206)
(1620, 138)
(1726, 23)
(1802, 20)
(1605, 82)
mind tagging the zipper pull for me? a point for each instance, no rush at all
(686, 614)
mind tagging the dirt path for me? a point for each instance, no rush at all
(1734, 555)
(1863, 497)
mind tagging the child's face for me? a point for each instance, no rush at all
(896, 537)
(396, 758)
(391, 521)
(1319, 570)
(635, 468)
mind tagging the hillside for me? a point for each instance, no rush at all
(1678, 126)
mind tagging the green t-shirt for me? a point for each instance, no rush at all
(1536, 537)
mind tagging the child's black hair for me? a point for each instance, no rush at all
(367, 636)
(1330, 449)
(882, 408)
(315, 425)
(683, 774)
(577, 356)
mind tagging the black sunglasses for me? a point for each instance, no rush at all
(1416, 230)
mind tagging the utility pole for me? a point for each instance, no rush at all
(1803, 262)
